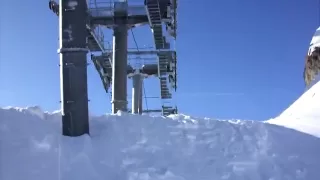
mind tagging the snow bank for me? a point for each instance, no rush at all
(128, 147)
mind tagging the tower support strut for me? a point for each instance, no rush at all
(137, 93)
(120, 61)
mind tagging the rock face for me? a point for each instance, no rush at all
(312, 66)
(312, 62)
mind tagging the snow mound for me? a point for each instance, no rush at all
(304, 114)
(128, 147)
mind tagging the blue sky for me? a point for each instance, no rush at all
(237, 59)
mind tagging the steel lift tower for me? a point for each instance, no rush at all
(117, 17)
(79, 33)
(112, 65)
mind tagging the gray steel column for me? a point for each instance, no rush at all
(119, 67)
(73, 67)
(137, 94)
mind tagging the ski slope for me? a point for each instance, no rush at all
(129, 147)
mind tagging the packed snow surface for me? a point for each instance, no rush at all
(128, 147)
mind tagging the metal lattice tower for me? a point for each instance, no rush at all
(81, 31)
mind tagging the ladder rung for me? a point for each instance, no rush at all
(166, 95)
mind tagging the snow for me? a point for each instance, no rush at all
(132, 147)
(315, 41)
(69, 32)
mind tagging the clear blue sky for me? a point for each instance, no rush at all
(237, 59)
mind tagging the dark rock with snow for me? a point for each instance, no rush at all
(312, 61)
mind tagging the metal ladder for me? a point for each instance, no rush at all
(167, 110)
(154, 15)
(92, 43)
(165, 92)
(163, 64)
(104, 68)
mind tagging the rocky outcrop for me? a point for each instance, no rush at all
(312, 66)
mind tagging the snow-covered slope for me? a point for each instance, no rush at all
(304, 113)
(127, 147)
